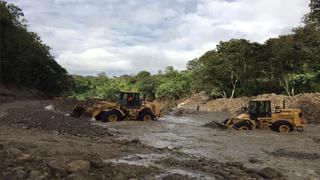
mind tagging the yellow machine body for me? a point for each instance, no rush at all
(123, 109)
(262, 117)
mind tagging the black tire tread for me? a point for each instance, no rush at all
(275, 126)
(105, 114)
(145, 112)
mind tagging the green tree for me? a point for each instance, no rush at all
(26, 61)
(314, 15)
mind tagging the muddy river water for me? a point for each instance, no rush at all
(297, 154)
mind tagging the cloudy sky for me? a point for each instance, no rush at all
(127, 36)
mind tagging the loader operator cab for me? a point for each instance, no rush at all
(259, 108)
(130, 99)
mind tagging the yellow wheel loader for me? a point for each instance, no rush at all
(129, 106)
(259, 115)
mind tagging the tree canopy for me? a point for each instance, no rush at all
(26, 61)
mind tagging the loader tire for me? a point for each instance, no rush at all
(110, 116)
(146, 116)
(100, 116)
(282, 126)
(242, 125)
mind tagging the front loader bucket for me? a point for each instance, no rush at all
(77, 111)
(224, 124)
(221, 125)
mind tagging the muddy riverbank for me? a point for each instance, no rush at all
(38, 141)
(294, 154)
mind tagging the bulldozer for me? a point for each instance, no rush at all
(259, 115)
(129, 106)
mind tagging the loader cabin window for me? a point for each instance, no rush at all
(130, 99)
(259, 109)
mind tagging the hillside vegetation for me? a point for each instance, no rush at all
(26, 62)
(289, 64)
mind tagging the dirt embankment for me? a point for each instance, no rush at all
(13, 94)
(29, 118)
(45, 116)
(308, 102)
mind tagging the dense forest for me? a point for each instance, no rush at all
(26, 61)
(289, 64)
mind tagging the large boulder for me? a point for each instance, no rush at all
(97, 162)
(269, 173)
(204, 96)
(78, 166)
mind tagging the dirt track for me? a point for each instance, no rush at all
(171, 148)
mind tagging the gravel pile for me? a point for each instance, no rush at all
(57, 123)
(310, 105)
(308, 102)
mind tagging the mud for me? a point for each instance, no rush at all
(33, 145)
(219, 170)
(28, 153)
(253, 149)
(21, 162)
(295, 154)
(35, 117)
(316, 139)
(213, 125)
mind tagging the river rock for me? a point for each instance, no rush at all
(78, 166)
(169, 161)
(176, 176)
(76, 176)
(34, 174)
(14, 152)
(269, 173)
(135, 140)
(123, 141)
(120, 176)
(97, 162)
(204, 96)
(254, 160)
(53, 164)
(23, 158)
(21, 173)
(50, 107)
(235, 164)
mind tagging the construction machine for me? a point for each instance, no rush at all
(129, 106)
(259, 115)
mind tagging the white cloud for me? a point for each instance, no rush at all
(128, 36)
(92, 60)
